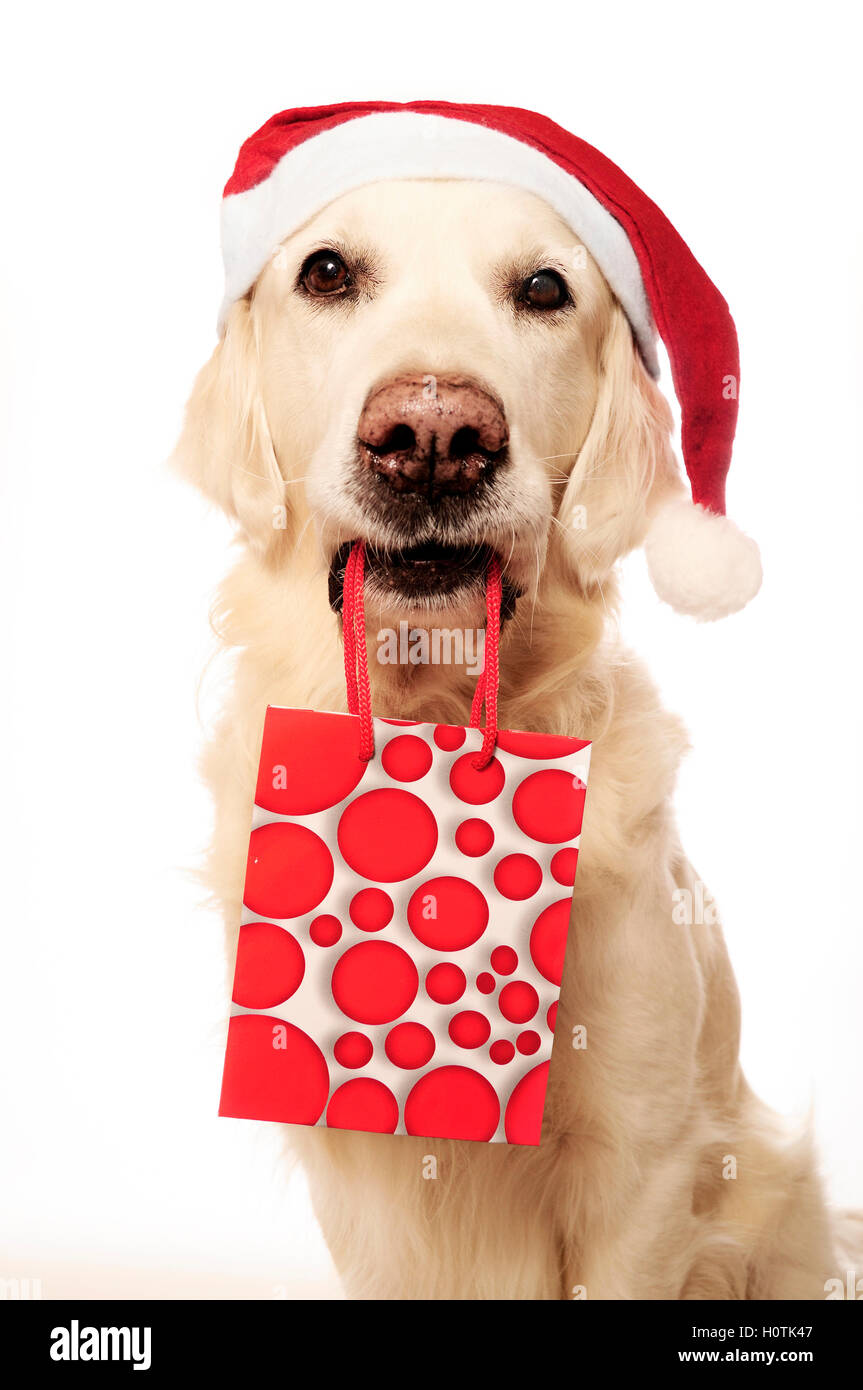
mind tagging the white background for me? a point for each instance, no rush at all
(120, 127)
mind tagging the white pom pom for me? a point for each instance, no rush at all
(700, 562)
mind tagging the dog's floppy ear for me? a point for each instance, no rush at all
(626, 468)
(225, 447)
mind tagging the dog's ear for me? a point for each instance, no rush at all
(626, 468)
(225, 447)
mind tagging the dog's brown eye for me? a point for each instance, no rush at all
(325, 273)
(544, 290)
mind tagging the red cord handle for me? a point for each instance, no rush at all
(356, 656)
(357, 667)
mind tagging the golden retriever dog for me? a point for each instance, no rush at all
(659, 1175)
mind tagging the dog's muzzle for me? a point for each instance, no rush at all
(433, 436)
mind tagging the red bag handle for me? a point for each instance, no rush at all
(357, 665)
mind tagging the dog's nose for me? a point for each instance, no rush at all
(432, 434)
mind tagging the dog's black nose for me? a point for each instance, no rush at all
(432, 435)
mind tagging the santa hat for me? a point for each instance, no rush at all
(301, 160)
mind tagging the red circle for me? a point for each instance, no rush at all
(449, 737)
(474, 837)
(504, 960)
(410, 1045)
(352, 1050)
(288, 872)
(406, 758)
(528, 1042)
(447, 913)
(469, 1029)
(548, 939)
(309, 761)
(517, 876)
(476, 787)
(485, 983)
(363, 1103)
(386, 835)
(452, 1103)
(523, 1120)
(518, 1001)
(538, 745)
(563, 866)
(551, 1016)
(371, 909)
(548, 806)
(270, 966)
(445, 983)
(273, 1071)
(325, 930)
(501, 1051)
(374, 982)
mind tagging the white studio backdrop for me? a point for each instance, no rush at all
(119, 129)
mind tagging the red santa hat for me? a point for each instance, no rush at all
(301, 160)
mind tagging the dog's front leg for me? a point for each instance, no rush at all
(680, 1183)
(628, 1110)
(433, 1218)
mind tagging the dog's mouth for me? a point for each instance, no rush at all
(421, 575)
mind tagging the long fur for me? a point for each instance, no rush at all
(659, 1174)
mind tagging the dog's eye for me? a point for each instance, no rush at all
(325, 273)
(545, 289)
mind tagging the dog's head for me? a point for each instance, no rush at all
(439, 368)
(438, 356)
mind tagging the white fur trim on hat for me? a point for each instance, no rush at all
(408, 145)
(701, 563)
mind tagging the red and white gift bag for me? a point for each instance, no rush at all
(405, 915)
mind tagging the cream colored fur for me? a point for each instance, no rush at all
(626, 1196)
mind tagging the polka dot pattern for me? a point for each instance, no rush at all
(447, 913)
(353, 1050)
(270, 966)
(411, 926)
(504, 960)
(455, 1102)
(374, 982)
(306, 765)
(469, 1029)
(325, 930)
(445, 983)
(548, 806)
(407, 758)
(563, 866)
(387, 835)
(410, 1045)
(501, 1052)
(518, 1001)
(289, 870)
(363, 1103)
(523, 1120)
(518, 876)
(548, 940)
(474, 837)
(449, 737)
(475, 787)
(371, 909)
(272, 1070)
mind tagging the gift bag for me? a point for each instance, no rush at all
(405, 914)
